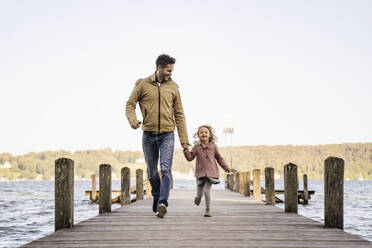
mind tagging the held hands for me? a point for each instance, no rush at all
(185, 146)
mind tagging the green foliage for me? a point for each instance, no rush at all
(309, 159)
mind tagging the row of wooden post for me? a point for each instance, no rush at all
(333, 189)
(64, 190)
(240, 182)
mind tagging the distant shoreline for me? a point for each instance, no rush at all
(309, 160)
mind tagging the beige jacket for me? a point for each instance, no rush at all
(161, 107)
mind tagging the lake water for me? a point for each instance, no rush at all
(27, 208)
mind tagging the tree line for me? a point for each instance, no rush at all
(309, 159)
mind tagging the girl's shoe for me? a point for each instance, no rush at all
(207, 213)
(197, 201)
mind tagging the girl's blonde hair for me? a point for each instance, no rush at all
(213, 136)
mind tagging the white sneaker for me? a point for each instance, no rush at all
(161, 211)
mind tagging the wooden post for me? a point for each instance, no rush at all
(242, 183)
(334, 192)
(247, 183)
(125, 186)
(104, 198)
(232, 182)
(64, 193)
(269, 186)
(93, 196)
(306, 192)
(290, 188)
(236, 182)
(139, 184)
(148, 187)
(256, 185)
(228, 181)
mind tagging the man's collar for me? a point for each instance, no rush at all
(154, 78)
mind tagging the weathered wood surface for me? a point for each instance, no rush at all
(290, 188)
(236, 182)
(228, 181)
(139, 184)
(64, 193)
(269, 186)
(256, 185)
(247, 183)
(237, 221)
(125, 186)
(242, 182)
(334, 192)
(306, 192)
(231, 181)
(93, 195)
(105, 196)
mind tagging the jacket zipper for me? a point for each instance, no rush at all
(159, 109)
(143, 121)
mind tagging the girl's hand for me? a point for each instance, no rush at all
(185, 146)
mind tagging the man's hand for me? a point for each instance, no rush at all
(185, 146)
(138, 124)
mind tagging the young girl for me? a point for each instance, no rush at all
(206, 170)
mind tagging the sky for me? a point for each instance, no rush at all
(279, 72)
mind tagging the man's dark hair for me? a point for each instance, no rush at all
(163, 60)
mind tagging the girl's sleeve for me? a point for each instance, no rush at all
(220, 160)
(190, 155)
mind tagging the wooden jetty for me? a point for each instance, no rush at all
(238, 220)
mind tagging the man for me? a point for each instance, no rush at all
(161, 108)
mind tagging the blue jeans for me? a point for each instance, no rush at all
(154, 145)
